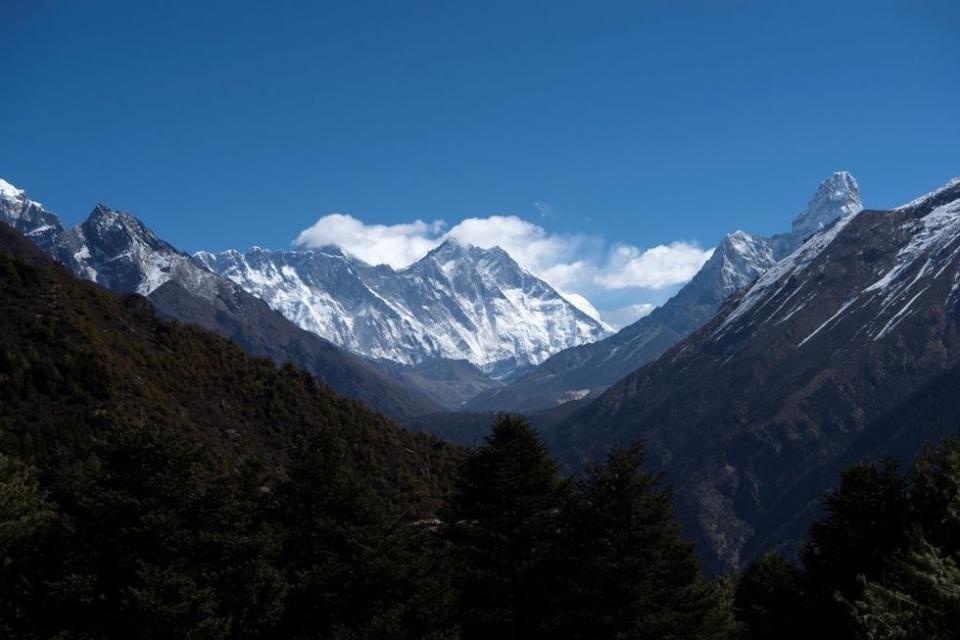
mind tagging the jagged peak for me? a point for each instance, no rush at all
(449, 247)
(453, 247)
(837, 197)
(208, 258)
(840, 186)
(737, 239)
(9, 191)
(104, 224)
(103, 214)
(103, 211)
(103, 217)
(740, 244)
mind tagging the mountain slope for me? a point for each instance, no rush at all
(117, 251)
(75, 358)
(737, 261)
(449, 383)
(457, 303)
(750, 413)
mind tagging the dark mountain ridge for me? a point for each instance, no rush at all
(586, 370)
(752, 413)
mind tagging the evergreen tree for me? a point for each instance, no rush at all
(769, 602)
(149, 545)
(866, 520)
(502, 524)
(354, 572)
(935, 493)
(918, 598)
(628, 573)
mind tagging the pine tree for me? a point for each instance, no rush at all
(502, 523)
(629, 572)
(866, 521)
(769, 601)
(935, 493)
(918, 598)
(354, 571)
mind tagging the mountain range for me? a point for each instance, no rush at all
(739, 258)
(784, 360)
(118, 252)
(847, 348)
(460, 321)
(459, 302)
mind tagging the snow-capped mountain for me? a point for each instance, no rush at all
(737, 261)
(111, 248)
(848, 348)
(28, 216)
(119, 252)
(458, 302)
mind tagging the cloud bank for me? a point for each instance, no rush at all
(580, 266)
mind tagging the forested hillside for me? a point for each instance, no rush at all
(157, 482)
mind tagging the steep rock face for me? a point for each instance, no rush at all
(738, 260)
(119, 252)
(459, 302)
(28, 216)
(752, 414)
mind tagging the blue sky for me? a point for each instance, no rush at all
(605, 125)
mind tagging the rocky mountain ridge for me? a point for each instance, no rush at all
(459, 302)
(835, 353)
(116, 250)
(737, 261)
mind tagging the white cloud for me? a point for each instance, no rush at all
(396, 245)
(580, 266)
(529, 244)
(655, 268)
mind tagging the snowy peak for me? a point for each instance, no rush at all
(466, 265)
(848, 348)
(837, 197)
(459, 302)
(28, 217)
(740, 257)
(448, 249)
(112, 248)
(10, 192)
(738, 260)
(123, 230)
(914, 250)
(117, 250)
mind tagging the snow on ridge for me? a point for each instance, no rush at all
(780, 272)
(459, 303)
(9, 191)
(932, 247)
(932, 194)
(13, 194)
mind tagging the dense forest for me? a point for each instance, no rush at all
(157, 482)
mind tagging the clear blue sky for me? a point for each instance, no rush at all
(226, 124)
